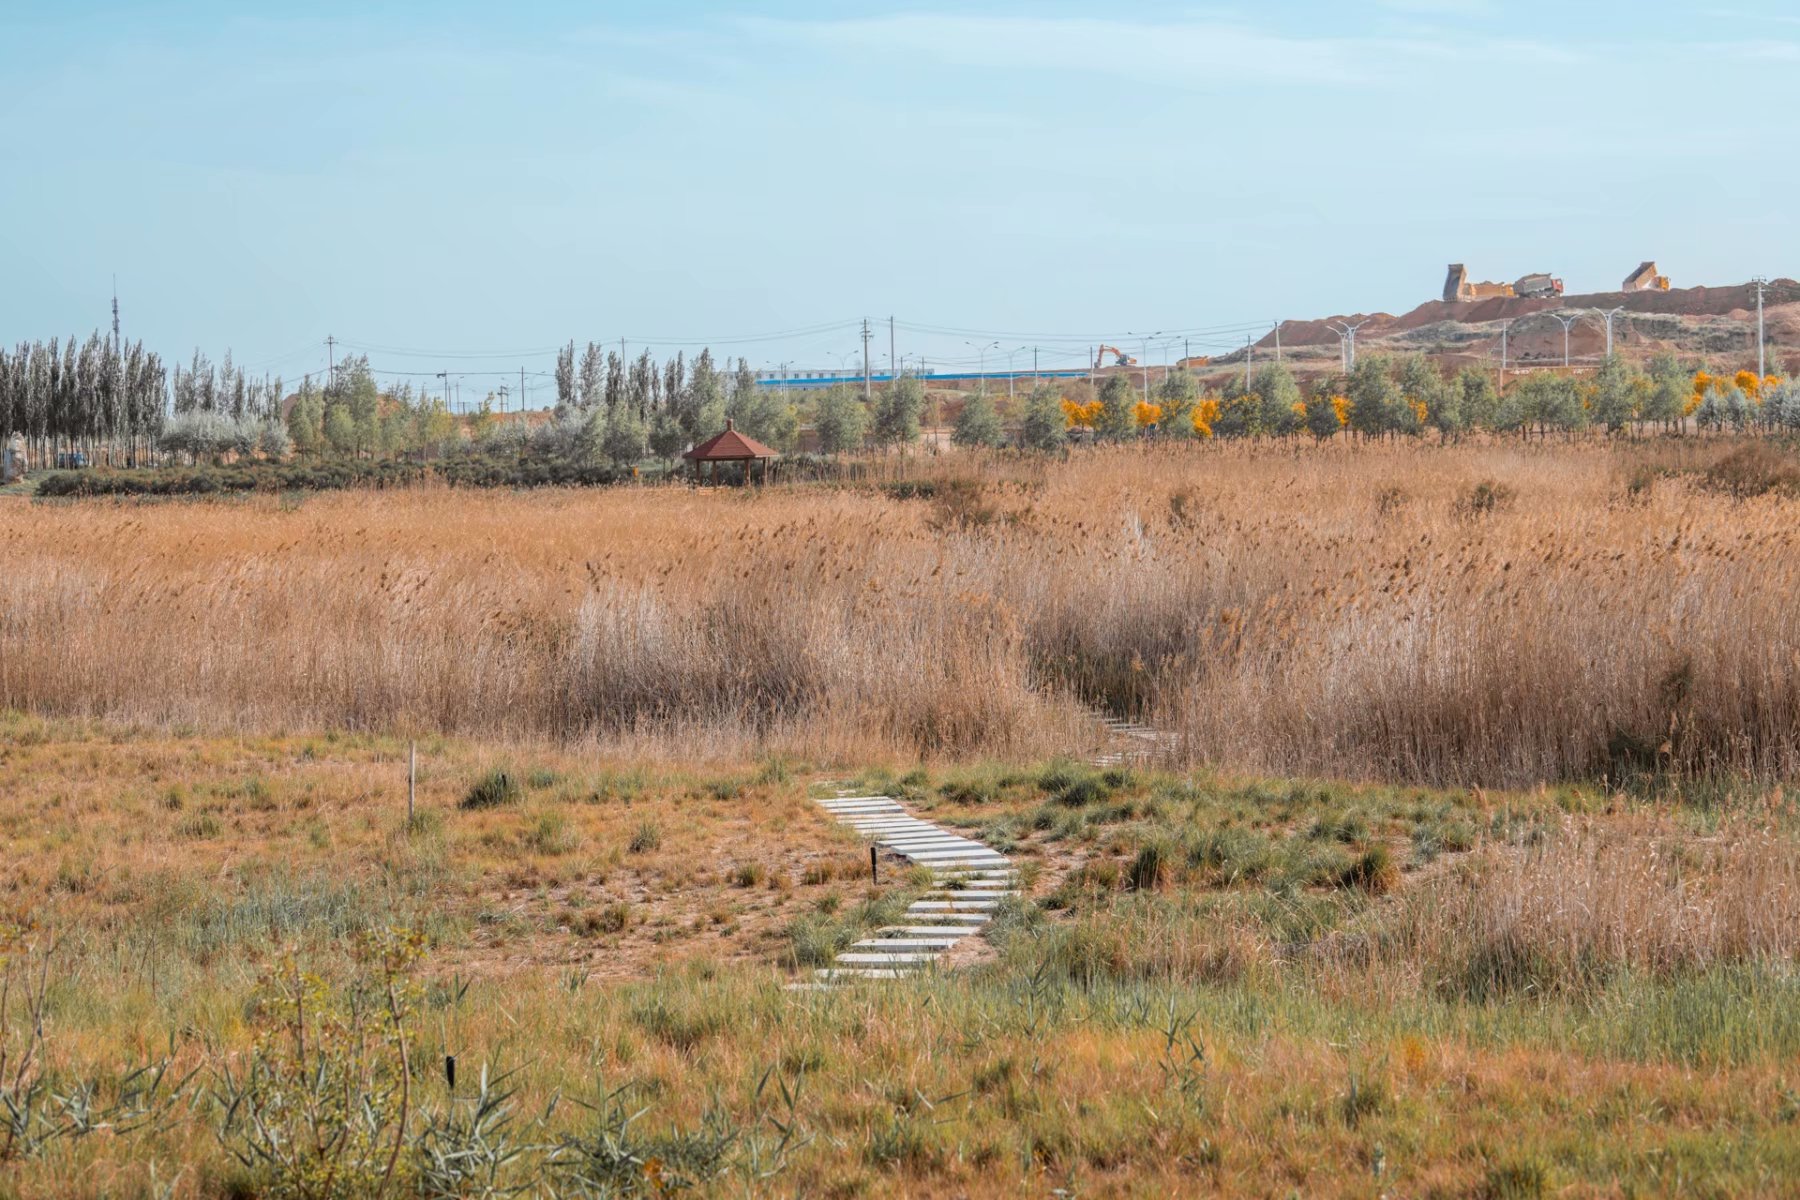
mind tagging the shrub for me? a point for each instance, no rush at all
(1149, 868)
(1372, 871)
(1484, 499)
(500, 786)
(647, 837)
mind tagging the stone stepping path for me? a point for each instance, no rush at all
(1133, 744)
(971, 878)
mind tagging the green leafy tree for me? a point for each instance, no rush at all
(1548, 402)
(306, 420)
(1240, 410)
(1613, 400)
(840, 420)
(1669, 388)
(667, 436)
(1118, 409)
(1045, 426)
(1278, 397)
(1480, 402)
(1176, 395)
(1426, 399)
(1321, 413)
(625, 440)
(897, 411)
(705, 400)
(566, 396)
(1375, 401)
(340, 429)
(978, 425)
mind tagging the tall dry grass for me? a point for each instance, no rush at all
(1607, 898)
(1350, 610)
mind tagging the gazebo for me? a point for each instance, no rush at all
(728, 447)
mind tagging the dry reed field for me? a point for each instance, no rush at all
(1469, 872)
(1498, 614)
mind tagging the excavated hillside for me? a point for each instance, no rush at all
(1712, 323)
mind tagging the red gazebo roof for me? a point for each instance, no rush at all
(729, 446)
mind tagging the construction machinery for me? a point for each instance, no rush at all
(1538, 286)
(1120, 358)
(1645, 279)
(1459, 289)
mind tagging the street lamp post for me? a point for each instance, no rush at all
(981, 361)
(1010, 355)
(1567, 323)
(1609, 315)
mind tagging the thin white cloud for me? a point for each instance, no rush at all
(1188, 53)
(1441, 8)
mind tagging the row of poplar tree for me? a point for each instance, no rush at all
(81, 394)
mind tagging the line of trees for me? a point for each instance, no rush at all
(1386, 397)
(611, 409)
(94, 396)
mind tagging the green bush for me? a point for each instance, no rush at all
(498, 787)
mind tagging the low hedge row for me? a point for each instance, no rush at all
(289, 477)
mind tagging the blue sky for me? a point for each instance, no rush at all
(456, 181)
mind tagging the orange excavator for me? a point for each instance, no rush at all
(1120, 358)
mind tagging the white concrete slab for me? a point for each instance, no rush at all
(885, 960)
(905, 943)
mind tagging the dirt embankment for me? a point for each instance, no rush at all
(1694, 302)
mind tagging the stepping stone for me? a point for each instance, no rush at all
(956, 932)
(932, 858)
(952, 893)
(901, 958)
(949, 905)
(859, 973)
(911, 943)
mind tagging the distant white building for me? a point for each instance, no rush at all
(13, 462)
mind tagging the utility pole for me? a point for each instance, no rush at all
(1249, 347)
(893, 362)
(444, 378)
(865, 338)
(1034, 366)
(521, 395)
(1567, 324)
(331, 360)
(1762, 360)
(1278, 341)
(118, 346)
(1504, 329)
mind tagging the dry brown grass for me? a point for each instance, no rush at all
(1619, 895)
(1349, 610)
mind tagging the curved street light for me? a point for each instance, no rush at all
(981, 360)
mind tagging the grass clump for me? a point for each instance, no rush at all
(645, 838)
(497, 788)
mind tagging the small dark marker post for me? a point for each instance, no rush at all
(450, 1070)
(872, 876)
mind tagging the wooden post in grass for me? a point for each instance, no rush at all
(872, 876)
(412, 780)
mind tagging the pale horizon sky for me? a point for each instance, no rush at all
(463, 186)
